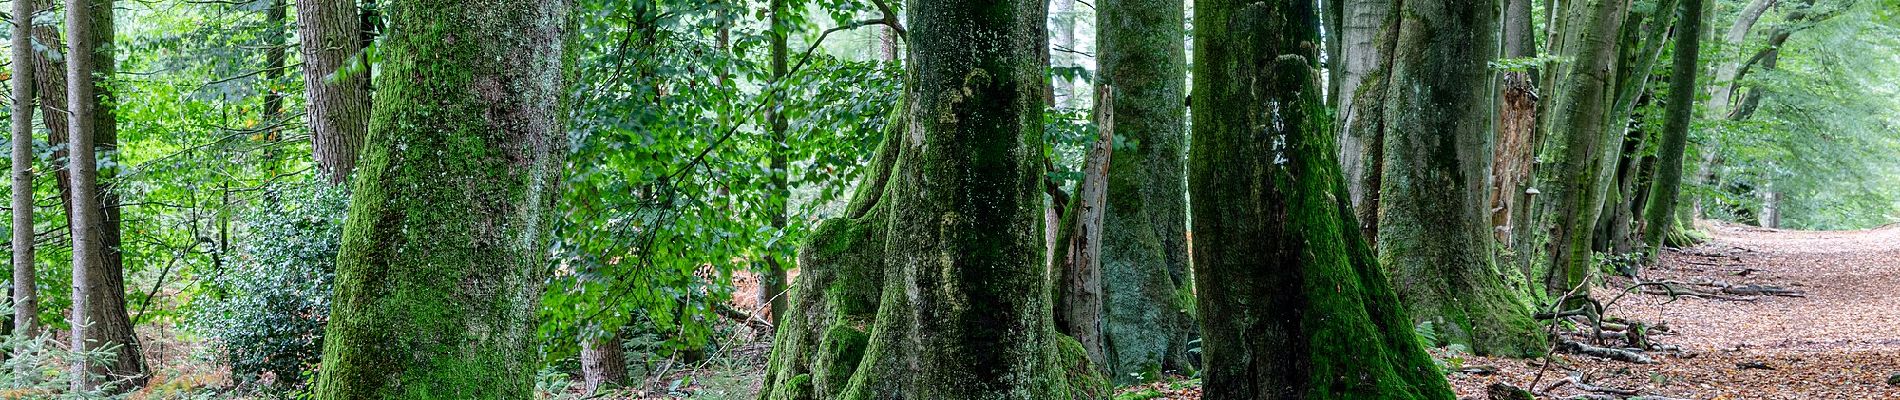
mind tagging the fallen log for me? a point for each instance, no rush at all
(1581, 348)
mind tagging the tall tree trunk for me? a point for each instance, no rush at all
(1433, 233)
(96, 221)
(82, 172)
(440, 269)
(1722, 88)
(1144, 252)
(1062, 36)
(1644, 34)
(1666, 187)
(1580, 119)
(1366, 49)
(772, 283)
(276, 22)
(603, 362)
(336, 80)
(25, 290)
(1298, 306)
(934, 283)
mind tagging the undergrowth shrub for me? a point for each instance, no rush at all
(267, 309)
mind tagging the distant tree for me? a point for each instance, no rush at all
(1296, 305)
(337, 81)
(440, 272)
(1660, 216)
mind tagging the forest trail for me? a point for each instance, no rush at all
(1841, 340)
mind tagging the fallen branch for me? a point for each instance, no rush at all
(742, 317)
(1580, 348)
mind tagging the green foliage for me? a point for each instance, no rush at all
(267, 311)
(669, 187)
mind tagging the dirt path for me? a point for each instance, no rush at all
(1840, 341)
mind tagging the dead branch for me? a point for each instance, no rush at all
(1581, 348)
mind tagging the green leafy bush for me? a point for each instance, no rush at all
(267, 309)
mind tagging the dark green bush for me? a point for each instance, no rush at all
(266, 309)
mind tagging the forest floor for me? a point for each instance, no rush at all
(1839, 340)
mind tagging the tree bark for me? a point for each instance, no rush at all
(1514, 153)
(1666, 187)
(1643, 36)
(1365, 51)
(1080, 289)
(934, 283)
(1580, 119)
(337, 82)
(1304, 310)
(1433, 233)
(440, 270)
(1144, 248)
(772, 282)
(96, 220)
(603, 363)
(25, 290)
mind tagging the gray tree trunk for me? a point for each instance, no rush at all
(1364, 54)
(25, 290)
(1434, 235)
(1580, 119)
(1144, 250)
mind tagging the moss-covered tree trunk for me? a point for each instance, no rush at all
(1666, 186)
(1433, 234)
(440, 269)
(1580, 126)
(1144, 253)
(1644, 33)
(1297, 305)
(933, 284)
(1365, 31)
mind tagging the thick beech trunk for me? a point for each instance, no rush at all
(440, 269)
(336, 79)
(1304, 311)
(1433, 233)
(933, 284)
(1144, 253)
(1580, 122)
(1365, 51)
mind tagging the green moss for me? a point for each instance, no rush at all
(439, 270)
